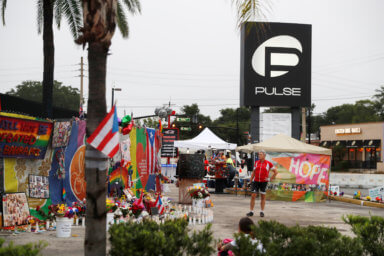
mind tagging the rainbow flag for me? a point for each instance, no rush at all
(119, 175)
(64, 194)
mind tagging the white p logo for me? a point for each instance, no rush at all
(277, 56)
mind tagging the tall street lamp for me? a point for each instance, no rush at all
(113, 94)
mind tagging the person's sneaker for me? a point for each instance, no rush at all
(250, 214)
(261, 214)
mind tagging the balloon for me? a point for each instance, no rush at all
(128, 129)
(125, 121)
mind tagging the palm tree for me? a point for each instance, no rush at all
(100, 20)
(248, 10)
(46, 11)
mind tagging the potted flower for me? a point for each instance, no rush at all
(198, 195)
(63, 216)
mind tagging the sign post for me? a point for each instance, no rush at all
(167, 147)
(275, 69)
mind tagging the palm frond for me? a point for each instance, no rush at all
(133, 6)
(72, 11)
(121, 20)
(248, 10)
(40, 16)
(58, 12)
(3, 6)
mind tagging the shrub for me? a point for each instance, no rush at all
(21, 250)
(370, 232)
(278, 239)
(150, 238)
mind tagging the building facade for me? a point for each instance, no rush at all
(358, 145)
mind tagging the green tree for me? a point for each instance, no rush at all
(100, 20)
(47, 10)
(63, 96)
(197, 119)
(151, 122)
(361, 111)
(379, 102)
(232, 125)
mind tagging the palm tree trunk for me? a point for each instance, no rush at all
(96, 163)
(49, 57)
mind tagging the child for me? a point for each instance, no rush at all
(245, 226)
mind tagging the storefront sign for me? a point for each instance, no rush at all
(167, 147)
(22, 138)
(348, 131)
(275, 64)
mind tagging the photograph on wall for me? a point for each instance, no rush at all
(15, 209)
(38, 186)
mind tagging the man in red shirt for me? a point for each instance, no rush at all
(260, 178)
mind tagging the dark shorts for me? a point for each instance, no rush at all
(259, 186)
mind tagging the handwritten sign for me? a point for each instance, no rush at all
(22, 138)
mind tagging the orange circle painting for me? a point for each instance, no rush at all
(77, 173)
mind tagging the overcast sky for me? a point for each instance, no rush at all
(188, 51)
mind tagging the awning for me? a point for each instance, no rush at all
(325, 144)
(372, 143)
(354, 143)
(337, 143)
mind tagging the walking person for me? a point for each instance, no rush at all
(260, 178)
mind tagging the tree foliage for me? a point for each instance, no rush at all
(197, 119)
(63, 96)
(226, 125)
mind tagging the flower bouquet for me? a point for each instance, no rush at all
(112, 205)
(197, 192)
(79, 209)
(61, 210)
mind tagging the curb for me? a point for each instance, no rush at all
(239, 192)
(356, 201)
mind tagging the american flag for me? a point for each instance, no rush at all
(151, 150)
(106, 136)
(159, 204)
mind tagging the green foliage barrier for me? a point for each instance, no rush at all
(21, 250)
(173, 238)
(370, 232)
(278, 239)
(150, 238)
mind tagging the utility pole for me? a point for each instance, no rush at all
(237, 126)
(81, 80)
(303, 125)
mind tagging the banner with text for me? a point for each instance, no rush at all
(24, 138)
(301, 176)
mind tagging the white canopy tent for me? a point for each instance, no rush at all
(205, 140)
(284, 143)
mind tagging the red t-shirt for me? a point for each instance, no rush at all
(261, 170)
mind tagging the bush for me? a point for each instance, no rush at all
(149, 238)
(278, 239)
(370, 232)
(21, 250)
